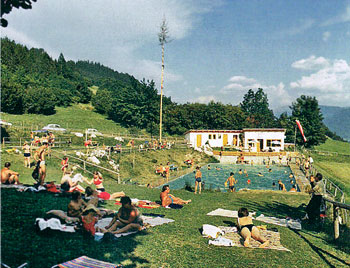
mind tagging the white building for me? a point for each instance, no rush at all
(215, 138)
(264, 139)
(255, 139)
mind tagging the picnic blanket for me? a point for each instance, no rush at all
(86, 262)
(229, 236)
(141, 203)
(287, 222)
(227, 213)
(273, 237)
(147, 221)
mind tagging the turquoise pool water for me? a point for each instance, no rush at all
(216, 178)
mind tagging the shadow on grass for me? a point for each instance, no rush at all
(321, 252)
(21, 243)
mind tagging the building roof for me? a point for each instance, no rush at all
(264, 130)
(212, 131)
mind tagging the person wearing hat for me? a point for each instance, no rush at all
(127, 218)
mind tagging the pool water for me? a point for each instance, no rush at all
(215, 179)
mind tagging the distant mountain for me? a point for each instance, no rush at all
(337, 119)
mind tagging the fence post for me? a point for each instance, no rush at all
(20, 142)
(118, 178)
(336, 221)
(84, 165)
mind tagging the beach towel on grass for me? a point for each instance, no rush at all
(273, 237)
(86, 262)
(53, 224)
(147, 222)
(141, 203)
(287, 222)
(227, 213)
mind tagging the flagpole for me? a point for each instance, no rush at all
(295, 138)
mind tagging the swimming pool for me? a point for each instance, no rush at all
(215, 179)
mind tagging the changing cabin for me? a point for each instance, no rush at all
(215, 138)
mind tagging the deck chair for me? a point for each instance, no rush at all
(86, 262)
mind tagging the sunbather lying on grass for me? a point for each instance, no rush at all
(103, 195)
(127, 218)
(248, 230)
(168, 199)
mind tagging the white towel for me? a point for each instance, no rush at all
(221, 241)
(227, 213)
(211, 231)
(53, 224)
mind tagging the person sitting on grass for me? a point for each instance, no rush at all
(168, 199)
(248, 230)
(8, 176)
(97, 180)
(127, 218)
(89, 192)
(76, 205)
(68, 184)
(89, 218)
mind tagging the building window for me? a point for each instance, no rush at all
(219, 136)
(209, 136)
(214, 136)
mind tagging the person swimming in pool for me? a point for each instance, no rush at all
(260, 175)
(240, 172)
(168, 199)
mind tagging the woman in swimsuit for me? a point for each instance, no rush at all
(248, 230)
(26, 148)
(98, 181)
(127, 218)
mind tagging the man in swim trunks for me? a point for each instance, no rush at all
(76, 205)
(232, 181)
(8, 176)
(168, 199)
(26, 148)
(198, 182)
(40, 156)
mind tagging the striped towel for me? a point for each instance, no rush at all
(86, 262)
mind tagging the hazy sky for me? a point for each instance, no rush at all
(219, 49)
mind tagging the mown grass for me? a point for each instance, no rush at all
(177, 244)
(136, 167)
(77, 117)
(335, 167)
(334, 146)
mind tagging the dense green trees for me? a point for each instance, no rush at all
(306, 110)
(255, 106)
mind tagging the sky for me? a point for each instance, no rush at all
(218, 50)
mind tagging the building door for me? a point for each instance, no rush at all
(199, 140)
(261, 144)
(224, 141)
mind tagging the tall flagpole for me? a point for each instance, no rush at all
(161, 97)
(295, 138)
(163, 39)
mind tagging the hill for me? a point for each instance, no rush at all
(337, 119)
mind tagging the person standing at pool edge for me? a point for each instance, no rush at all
(198, 182)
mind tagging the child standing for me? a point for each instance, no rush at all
(248, 230)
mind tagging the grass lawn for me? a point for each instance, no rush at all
(77, 117)
(334, 146)
(337, 168)
(177, 244)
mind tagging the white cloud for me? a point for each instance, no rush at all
(197, 90)
(332, 79)
(114, 33)
(238, 87)
(204, 99)
(325, 36)
(311, 63)
(340, 18)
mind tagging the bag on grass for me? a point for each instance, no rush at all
(35, 173)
